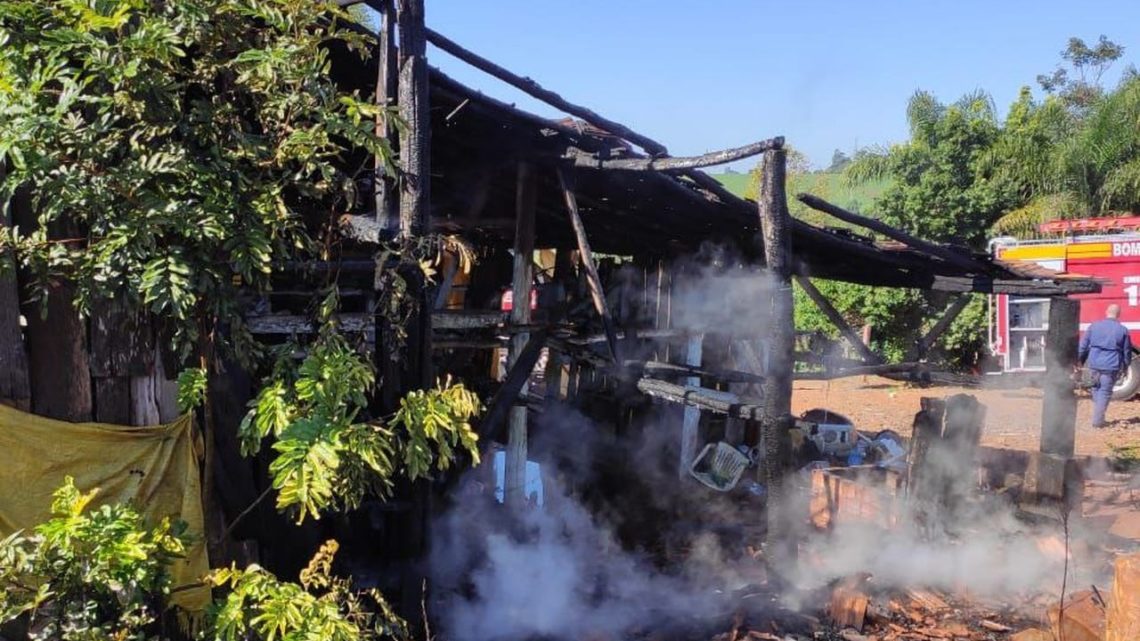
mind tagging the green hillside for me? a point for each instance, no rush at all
(828, 186)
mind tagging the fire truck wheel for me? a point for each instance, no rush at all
(1127, 385)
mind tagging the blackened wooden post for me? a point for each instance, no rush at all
(521, 282)
(55, 339)
(415, 220)
(415, 138)
(776, 421)
(386, 202)
(15, 389)
(1059, 411)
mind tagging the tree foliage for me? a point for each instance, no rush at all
(327, 455)
(259, 607)
(175, 152)
(89, 574)
(942, 186)
(103, 575)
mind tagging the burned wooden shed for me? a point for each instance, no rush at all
(617, 222)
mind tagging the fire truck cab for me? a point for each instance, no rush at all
(1104, 248)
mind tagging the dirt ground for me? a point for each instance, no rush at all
(1013, 419)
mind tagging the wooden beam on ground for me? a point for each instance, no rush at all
(597, 292)
(870, 370)
(508, 394)
(522, 281)
(776, 422)
(837, 320)
(949, 255)
(536, 90)
(590, 161)
(924, 344)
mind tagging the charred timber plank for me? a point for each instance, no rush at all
(509, 393)
(536, 90)
(659, 369)
(441, 321)
(926, 342)
(702, 398)
(837, 320)
(949, 255)
(582, 159)
(988, 285)
(870, 370)
(597, 293)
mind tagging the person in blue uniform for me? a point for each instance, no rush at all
(1107, 350)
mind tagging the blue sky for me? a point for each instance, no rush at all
(700, 76)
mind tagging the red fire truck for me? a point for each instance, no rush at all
(1104, 248)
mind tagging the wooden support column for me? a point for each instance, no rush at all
(777, 421)
(691, 416)
(521, 283)
(837, 320)
(15, 389)
(597, 292)
(1059, 411)
(386, 200)
(415, 220)
(415, 137)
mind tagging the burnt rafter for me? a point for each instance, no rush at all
(536, 90)
(945, 253)
(582, 159)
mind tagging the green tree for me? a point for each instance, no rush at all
(941, 178)
(1068, 167)
(176, 153)
(1077, 81)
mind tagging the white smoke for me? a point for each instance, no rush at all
(561, 571)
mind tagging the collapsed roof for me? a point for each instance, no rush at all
(648, 204)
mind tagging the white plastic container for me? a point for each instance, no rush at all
(719, 466)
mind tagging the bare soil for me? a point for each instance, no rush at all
(1013, 419)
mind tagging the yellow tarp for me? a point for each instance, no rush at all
(155, 468)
